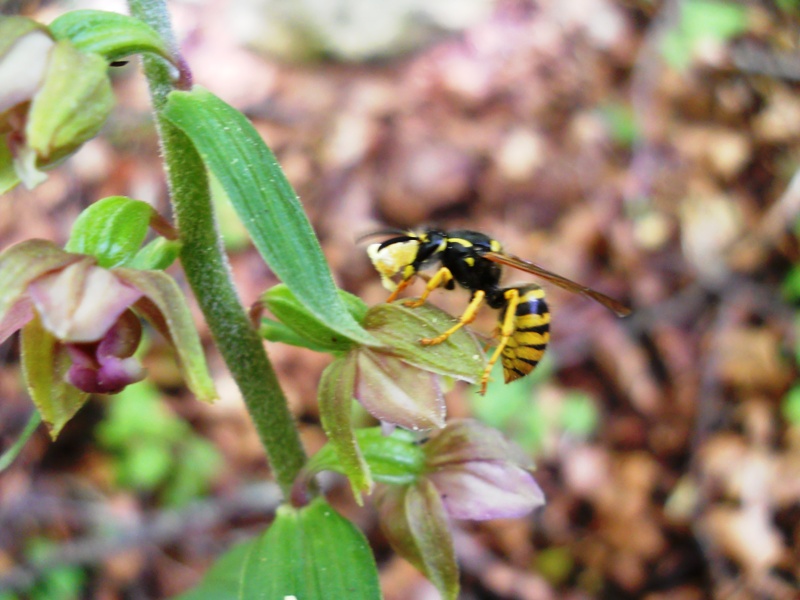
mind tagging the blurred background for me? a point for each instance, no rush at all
(648, 149)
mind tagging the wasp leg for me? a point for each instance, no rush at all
(489, 343)
(439, 279)
(506, 331)
(467, 317)
(400, 287)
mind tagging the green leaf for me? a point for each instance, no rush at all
(164, 306)
(395, 458)
(282, 303)
(111, 230)
(401, 328)
(790, 6)
(790, 407)
(234, 234)
(620, 120)
(199, 463)
(157, 255)
(112, 35)
(513, 408)
(555, 564)
(137, 415)
(275, 331)
(416, 524)
(44, 366)
(311, 553)
(714, 19)
(335, 398)
(791, 284)
(235, 154)
(62, 582)
(145, 466)
(579, 415)
(702, 20)
(8, 174)
(222, 580)
(71, 105)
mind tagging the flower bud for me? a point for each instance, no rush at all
(71, 105)
(53, 98)
(24, 51)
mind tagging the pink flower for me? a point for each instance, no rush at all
(79, 328)
(470, 472)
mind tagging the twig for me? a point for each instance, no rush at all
(159, 528)
(750, 57)
(647, 69)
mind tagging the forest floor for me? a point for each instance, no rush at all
(608, 141)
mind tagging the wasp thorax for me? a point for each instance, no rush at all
(392, 259)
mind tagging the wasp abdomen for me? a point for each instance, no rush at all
(527, 344)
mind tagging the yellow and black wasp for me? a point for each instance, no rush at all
(474, 261)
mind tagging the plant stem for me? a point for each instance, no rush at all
(208, 271)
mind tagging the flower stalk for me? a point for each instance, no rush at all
(208, 272)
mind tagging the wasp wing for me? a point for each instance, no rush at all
(524, 265)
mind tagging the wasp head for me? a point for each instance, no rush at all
(405, 254)
(392, 257)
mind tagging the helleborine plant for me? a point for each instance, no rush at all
(80, 311)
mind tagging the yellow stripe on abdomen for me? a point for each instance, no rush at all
(527, 344)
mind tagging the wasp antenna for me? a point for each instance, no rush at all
(388, 231)
(397, 240)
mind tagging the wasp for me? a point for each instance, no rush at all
(474, 261)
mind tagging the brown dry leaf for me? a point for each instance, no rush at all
(628, 365)
(399, 580)
(747, 536)
(586, 470)
(125, 567)
(425, 176)
(721, 458)
(709, 224)
(723, 150)
(750, 358)
(780, 120)
(785, 489)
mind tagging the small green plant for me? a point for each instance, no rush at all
(153, 450)
(65, 582)
(702, 21)
(517, 410)
(790, 407)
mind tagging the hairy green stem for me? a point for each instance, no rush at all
(208, 272)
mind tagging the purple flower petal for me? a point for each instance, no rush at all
(415, 523)
(396, 392)
(107, 367)
(23, 68)
(81, 302)
(482, 490)
(113, 375)
(123, 338)
(470, 440)
(19, 314)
